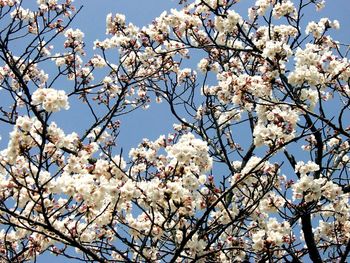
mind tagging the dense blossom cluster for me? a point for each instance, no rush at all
(254, 170)
(50, 99)
(275, 125)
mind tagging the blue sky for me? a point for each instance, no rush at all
(155, 121)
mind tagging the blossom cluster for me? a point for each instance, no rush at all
(276, 125)
(51, 100)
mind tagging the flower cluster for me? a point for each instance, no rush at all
(24, 136)
(228, 24)
(276, 125)
(272, 234)
(51, 100)
(190, 152)
(74, 40)
(284, 8)
(318, 29)
(235, 89)
(23, 14)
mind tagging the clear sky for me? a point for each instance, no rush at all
(155, 121)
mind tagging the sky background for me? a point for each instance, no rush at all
(155, 121)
